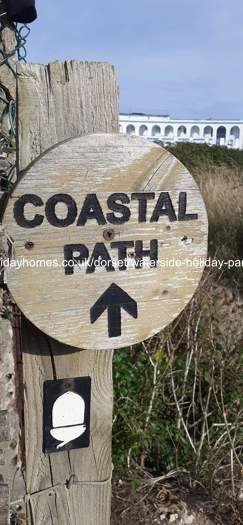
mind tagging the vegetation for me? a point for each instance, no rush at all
(178, 396)
(196, 156)
(221, 185)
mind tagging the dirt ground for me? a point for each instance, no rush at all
(167, 504)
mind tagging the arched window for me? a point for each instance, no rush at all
(221, 135)
(156, 131)
(181, 131)
(208, 132)
(235, 137)
(195, 132)
(143, 131)
(235, 132)
(130, 129)
(169, 132)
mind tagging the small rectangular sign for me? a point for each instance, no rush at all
(66, 414)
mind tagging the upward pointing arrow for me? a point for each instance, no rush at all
(114, 299)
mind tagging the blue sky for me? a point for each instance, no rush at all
(182, 57)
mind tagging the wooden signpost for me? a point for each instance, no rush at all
(57, 102)
(105, 229)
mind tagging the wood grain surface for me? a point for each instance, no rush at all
(4, 504)
(11, 478)
(103, 165)
(57, 102)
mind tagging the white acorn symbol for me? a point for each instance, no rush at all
(68, 418)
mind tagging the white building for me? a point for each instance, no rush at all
(210, 131)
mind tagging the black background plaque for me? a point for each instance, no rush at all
(52, 391)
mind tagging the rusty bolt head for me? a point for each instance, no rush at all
(29, 245)
(108, 234)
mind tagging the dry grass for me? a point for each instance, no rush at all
(207, 388)
(222, 190)
(181, 392)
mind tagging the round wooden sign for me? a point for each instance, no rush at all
(108, 232)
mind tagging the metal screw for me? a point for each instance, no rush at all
(67, 385)
(29, 245)
(108, 234)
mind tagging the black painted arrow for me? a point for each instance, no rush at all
(114, 299)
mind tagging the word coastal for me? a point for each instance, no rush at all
(30, 211)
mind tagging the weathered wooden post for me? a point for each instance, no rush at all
(92, 221)
(12, 487)
(57, 102)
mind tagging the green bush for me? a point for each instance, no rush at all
(195, 156)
